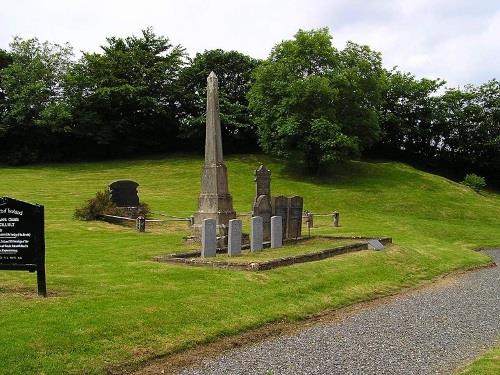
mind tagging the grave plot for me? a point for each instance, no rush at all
(293, 252)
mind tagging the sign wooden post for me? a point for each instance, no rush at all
(22, 239)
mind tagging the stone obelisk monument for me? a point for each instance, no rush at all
(215, 202)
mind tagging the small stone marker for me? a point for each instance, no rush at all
(256, 235)
(234, 240)
(124, 193)
(276, 231)
(208, 238)
(375, 245)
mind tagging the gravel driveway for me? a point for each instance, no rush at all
(432, 331)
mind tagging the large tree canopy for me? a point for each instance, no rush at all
(311, 98)
(124, 99)
(233, 70)
(34, 99)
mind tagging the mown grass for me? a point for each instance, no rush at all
(487, 364)
(310, 245)
(110, 304)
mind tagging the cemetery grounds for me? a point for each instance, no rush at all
(111, 306)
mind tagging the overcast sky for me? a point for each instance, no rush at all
(457, 40)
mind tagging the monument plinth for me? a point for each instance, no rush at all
(215, 201)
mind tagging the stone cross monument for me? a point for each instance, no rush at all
(215, 201)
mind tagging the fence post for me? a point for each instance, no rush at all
(140, 224)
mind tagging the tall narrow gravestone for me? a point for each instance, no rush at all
(280, 208)
(22, 239)
(208, 238)
(294, 222)
(215, 201)
(276, 232)
(234, 238)
(256, 237)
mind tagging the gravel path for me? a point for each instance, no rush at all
(432, 331)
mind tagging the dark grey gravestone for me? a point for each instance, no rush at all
(375, 245)
(280, 208)
(263, 208)
(295, 207)
(124, 193)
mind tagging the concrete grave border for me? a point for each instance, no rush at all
(193, 258)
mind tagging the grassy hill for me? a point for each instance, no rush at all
(110, 304)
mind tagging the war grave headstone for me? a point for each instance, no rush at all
(280, 208)
(294, 222)
(276, 232)
(256, 234)
(124, 193)
(22, 239)
(208, 238)
(234, 238)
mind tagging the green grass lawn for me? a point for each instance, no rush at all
(311, 245)
(487, 364)
(110, 304)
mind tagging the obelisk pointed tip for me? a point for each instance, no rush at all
(212, 75)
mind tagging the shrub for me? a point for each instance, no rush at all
(102, 204)
(474, 181)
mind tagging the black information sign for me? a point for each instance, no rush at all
(22, 239)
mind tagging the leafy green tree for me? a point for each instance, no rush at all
(470, 120)
(123, 100)
(408, 115)
(5, 60)
(234, 71)
(310, 98)
(35, 113)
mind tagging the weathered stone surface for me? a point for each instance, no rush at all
(375, 245)
(276, 231)
(234, 239)
(263, 208)
(280, 208)
(124, 193)
(294, 222)
(256, 234)
(208, 238)
(215, 201)
(262, 182)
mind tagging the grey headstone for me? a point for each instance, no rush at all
(234, 240)
(263, 208)
(256, 234)
(294, 222)
(124, 193)
(208, 238)
(375, 245)
(276, 231)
